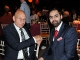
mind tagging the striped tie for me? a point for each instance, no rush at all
(55, 33)
(25, 53)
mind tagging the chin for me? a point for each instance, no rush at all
(21, 27)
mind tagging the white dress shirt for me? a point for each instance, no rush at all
(20, 53)
(58, 28)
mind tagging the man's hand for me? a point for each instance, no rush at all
(38, 39)
(40, 58)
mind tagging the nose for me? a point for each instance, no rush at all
(23, 21)
(52, 19)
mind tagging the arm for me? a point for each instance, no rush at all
(12, 40)
(46, 54)
(70, 45)
(48, 51)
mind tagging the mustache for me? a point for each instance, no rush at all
(54, 21)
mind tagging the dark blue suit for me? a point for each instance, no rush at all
(64, 49)
(13, 45)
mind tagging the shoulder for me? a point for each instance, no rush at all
(24, 4)
(69, 29)
(8, 27)
(66, 26)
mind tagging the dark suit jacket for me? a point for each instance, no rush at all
(13, 45)
(64, 49)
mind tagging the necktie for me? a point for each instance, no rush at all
(55, 33)
(25, 53)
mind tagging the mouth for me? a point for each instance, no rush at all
(54, 22)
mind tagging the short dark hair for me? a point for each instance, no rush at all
(60, 12)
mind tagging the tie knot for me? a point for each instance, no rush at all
(20, 29)
(55, 33)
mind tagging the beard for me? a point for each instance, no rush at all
(56, 23)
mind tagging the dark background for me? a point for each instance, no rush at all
(67, 4)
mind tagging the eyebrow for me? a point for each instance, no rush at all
(54, 15)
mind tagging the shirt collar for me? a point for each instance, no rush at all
(17, 28)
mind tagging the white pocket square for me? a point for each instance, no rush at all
(59, 39)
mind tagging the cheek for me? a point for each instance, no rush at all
(59, 20)
(24, 21)
(50, 20)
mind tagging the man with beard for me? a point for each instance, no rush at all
(63, 42)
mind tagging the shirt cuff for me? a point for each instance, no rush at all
(34, 39)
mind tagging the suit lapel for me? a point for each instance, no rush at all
(15, 33)
(28, 32)
(31, 48)
(52, 34)
(59, 34)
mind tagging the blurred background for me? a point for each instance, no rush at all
(39, 4)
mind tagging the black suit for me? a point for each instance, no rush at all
(13, 45)
(65, 49)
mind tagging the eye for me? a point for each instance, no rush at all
(56, 16)
(24, 19)
(19, 18)
(50, 17)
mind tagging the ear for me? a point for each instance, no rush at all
(61, 16)
(13, 18)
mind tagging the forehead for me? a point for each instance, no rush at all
(22, 15)
(54, 12)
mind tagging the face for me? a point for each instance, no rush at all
(19, 19)
(21, 1)
(55, 18)
(33, 12)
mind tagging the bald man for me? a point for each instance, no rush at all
(13, 41)
(25, 7)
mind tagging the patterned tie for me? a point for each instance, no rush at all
(25, 53)
(55, 33)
